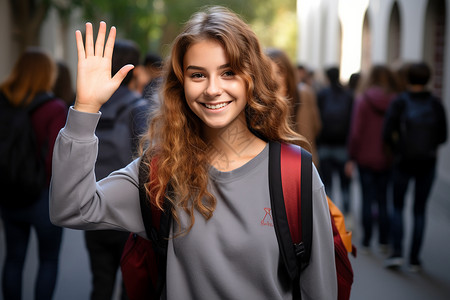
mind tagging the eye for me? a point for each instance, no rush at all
(228, 73)
(197, 75)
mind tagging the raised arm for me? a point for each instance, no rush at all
(95, 84)
(76, 199)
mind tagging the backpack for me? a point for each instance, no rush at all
(117, 137)
(335, 107)
(22, 163)
(143, 262)
(418, 133)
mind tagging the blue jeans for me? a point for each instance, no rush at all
(374, 186)
(18, 224)
(333, 160)
(423, 181)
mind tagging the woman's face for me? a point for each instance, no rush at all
(213, 91)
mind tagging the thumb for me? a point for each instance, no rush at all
(122, 73)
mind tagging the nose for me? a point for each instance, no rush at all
(213, 88)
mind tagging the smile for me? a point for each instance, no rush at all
(215, 106)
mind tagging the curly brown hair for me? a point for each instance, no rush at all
(179, 152)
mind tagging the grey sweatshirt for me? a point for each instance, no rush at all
(234, 255)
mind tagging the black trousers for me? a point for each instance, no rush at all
(105, 250)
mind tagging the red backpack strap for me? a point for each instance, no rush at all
(290, 184)
(296, 176)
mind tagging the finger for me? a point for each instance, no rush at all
(80, 45)
(89, 40)
(122, 73)
(109, 47)
(100, 39)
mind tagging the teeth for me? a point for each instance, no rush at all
(216, 106)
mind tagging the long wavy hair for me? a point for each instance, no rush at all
(177, 151)
(33, 73)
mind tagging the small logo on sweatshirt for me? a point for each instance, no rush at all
(267, 220)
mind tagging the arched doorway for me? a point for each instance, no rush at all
(394, 36)
(434, 43)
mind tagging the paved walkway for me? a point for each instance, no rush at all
(372, 281)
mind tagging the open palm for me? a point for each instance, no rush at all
(95, 85)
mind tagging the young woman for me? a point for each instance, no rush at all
(219, 109)
(31, 80)
(367, 150)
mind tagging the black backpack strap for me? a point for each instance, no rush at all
(307, 209)
(157, 232)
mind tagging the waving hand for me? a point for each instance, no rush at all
(95, 85)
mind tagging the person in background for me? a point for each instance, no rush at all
(33, 76)
(308, 122)
(354, 82)
(209, 139)
(335, 108)
(153, 64)
(124, 119)
(63, 88)
(284, 74)
(368, 151)
(414, 127)
(305, 117)
(146, 75)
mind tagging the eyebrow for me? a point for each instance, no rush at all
(203, 69)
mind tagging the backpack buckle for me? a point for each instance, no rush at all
(299, 249)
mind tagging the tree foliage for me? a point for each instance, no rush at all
(153, 24)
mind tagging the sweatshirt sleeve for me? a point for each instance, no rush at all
(76, 200)
(318, 280)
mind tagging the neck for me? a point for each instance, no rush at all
(233, 146)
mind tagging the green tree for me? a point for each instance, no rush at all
(153, 24)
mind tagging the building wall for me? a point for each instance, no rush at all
(58, 41)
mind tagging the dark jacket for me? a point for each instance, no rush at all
(335, 108)
(47, 120)
(393, 120)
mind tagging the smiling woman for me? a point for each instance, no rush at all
(209, 143)
(213, 92)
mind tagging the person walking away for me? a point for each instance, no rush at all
(124, 118)
(30, 81)
(368, 151)
(304, 117)
(414, 127)
(308, 122)
(63, 87)
(335, 108)
(284, 75)
(209, 139)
